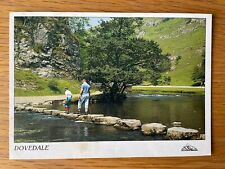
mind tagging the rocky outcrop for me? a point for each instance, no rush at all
(180, 133)
(151, 22)
(128, 124)
(47, 71)
(41, 34)
(46, 48)
(153, 129)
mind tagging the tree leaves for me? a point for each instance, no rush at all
(115, 55)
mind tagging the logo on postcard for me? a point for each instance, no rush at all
(189, 147)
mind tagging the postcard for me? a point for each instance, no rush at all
(109, 85)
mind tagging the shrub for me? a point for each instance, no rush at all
(197, 84)
(53, 85)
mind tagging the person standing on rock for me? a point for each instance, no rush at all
(68, 100)
(84, 96)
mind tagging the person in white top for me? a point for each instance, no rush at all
(68, 99)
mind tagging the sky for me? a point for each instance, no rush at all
(95, 21)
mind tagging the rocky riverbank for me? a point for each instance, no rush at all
(173, 133)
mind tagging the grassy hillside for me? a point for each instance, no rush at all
(179, 37)
(30, 84)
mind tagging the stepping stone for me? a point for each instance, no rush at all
(38, 110)
(57, 112)
(128, 124)
(71, 116)
(107, 120)
(153, 129)
(19, 107)
(28, 108)
(180, 133)
(92, 117)
(89, 117)
(49, 112)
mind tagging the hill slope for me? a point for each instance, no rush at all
(28, 83)
(184, 39)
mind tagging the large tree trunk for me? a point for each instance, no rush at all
(115, 93)
(122, 89)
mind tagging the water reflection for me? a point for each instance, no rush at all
(85, 131)
(188, 109)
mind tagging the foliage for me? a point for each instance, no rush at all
(115, 57)
(198, 75)
(53, 85)
(165, 80)
(154, 78)
(78, 25)
(26, 27)
(177, 59)
(111, 53)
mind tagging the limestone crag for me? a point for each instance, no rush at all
(45, 48)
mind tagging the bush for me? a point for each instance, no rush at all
(165, 80)
(154, 78)
(197, 84)
(53, 85)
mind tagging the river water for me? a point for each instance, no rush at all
(187, 109)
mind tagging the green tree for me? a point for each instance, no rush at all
(115, 57)
(28, 25)
(165, 80)
(53, 85)
(78, 25)
(198, 75)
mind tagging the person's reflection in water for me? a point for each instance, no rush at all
(78, 131)
(85, 131)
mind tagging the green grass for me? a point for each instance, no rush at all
(167, 90)
(38, 86)
(185, 45)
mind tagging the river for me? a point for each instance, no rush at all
(185, 108)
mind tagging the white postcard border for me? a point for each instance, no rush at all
(111, 149)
